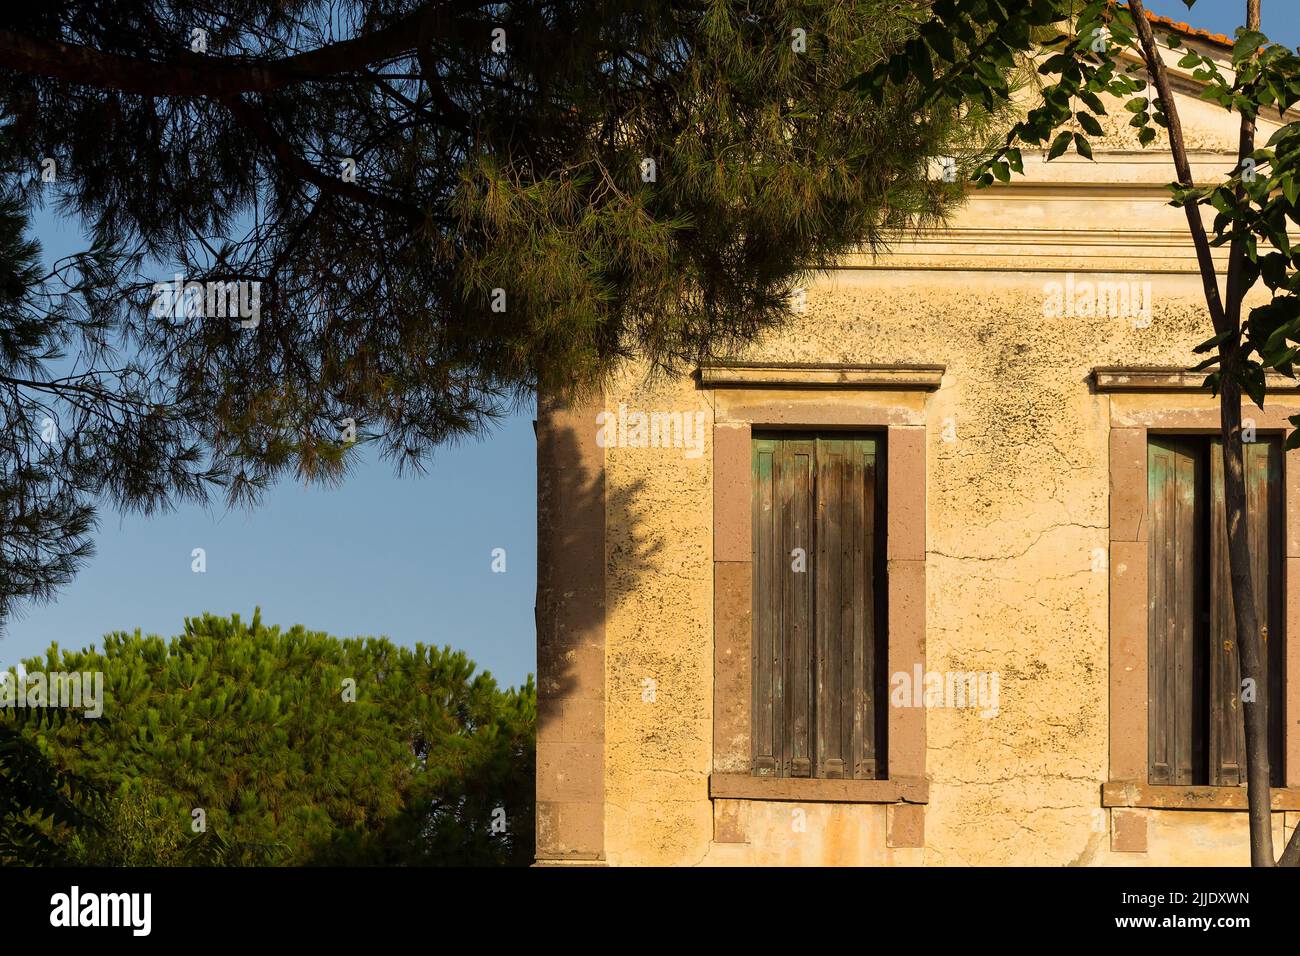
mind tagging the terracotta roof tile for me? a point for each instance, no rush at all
(1187, 30)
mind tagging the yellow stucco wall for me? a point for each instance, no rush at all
(1017, 505)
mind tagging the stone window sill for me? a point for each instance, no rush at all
(741, 786)
(1127, 793)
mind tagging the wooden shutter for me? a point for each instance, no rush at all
(1226, 724)
(845, 669)
(1176, 621)
(766, 650)
(815, 667)
(783, 607)
(1196, 728)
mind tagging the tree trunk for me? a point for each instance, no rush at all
(1249, 639)
(1228, 320)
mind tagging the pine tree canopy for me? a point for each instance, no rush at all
(42, 807)
(434, 208)
(297, 747)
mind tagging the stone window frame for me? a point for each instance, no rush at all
(888, 399)
(1169, 401)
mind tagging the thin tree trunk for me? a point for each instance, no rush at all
(1291, 855)
(1228, 320)
(1250, 657)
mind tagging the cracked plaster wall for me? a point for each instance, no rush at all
(1017, 475)
(1017, 505)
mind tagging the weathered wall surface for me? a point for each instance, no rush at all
(659, 636)
(1018, 473)
(1018, 506)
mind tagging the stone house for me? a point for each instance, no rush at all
(932, 575)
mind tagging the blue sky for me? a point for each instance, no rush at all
(1280, 19)
(407, 558)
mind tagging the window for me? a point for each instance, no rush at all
(818, 604)
(1196, 733)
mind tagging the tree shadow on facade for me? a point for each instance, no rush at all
(574, 510)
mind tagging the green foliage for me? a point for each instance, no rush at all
(975, 43)
(42, 808)
(138, 830)
(55, 455)
(478, 167)
(1084, 57)
(1075, 65)
(249, 724)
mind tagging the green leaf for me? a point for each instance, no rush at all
(1093, 102)
(1056, 64)
(1221, 200)
(1253, 385)
(939, 40)
(899, 67)
(1278, 136)
(1248, 41)
(922, 65)
(1273, 267)
(1059, 145)
(1089, 123)
(1081, 144)
(1211, 342)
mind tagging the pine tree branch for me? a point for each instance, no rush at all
(213, 76)
(287, 158)
(63, 386)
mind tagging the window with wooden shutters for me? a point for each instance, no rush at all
(818, 642)
(1195, 726)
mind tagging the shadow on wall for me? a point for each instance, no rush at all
(574, 509)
